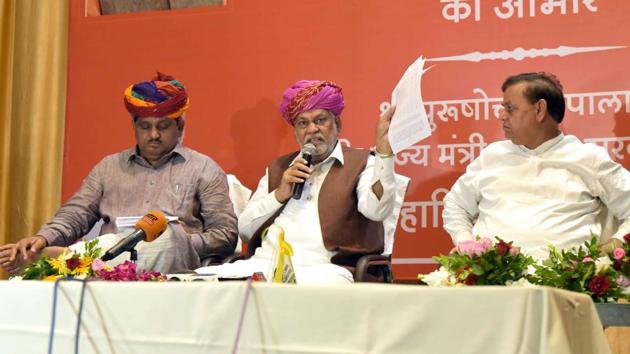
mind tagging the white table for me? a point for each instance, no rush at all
(201, 317)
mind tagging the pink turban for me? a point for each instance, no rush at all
(305, 95)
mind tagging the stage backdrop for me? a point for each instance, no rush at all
(236, 60)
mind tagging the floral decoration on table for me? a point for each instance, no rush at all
(480, 262)
(85, 265)
(603, 275)
(585, 269)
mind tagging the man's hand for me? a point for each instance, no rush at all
(298, 172)
(382, 128)
(13, 264)
(28, 247)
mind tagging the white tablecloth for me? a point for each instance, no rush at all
(201, 317)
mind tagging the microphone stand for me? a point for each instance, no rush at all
(133, 255)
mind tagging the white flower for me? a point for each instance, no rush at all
(439, 277)
(522, 282)
(626, 291)
(602, 264)
(17, 277)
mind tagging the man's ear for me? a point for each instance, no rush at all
(181, 122)
(541, 109)
(338, 122)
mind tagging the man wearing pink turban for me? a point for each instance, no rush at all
(157, 173)
(347, 193)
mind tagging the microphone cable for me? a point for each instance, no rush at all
(54, 313)
(249, 288)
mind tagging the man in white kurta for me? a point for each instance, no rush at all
(313, 108)
(540, 187)
(300, 218)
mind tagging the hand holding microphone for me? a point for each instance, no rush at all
(292, 182)
(307, 154)
(148, 229)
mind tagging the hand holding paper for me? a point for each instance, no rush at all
(382, 132)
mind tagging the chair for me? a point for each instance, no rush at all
(377, 267)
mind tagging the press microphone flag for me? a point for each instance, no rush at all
(307, 154)
(148, 229)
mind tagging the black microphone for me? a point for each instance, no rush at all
(148, 229)
(307, 154)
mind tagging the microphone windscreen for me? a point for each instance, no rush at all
(308, 149)
(153, 224)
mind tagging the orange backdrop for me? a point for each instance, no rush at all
(236, 60)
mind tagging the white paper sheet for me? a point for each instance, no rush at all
(410, 123)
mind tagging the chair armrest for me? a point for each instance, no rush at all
(366, 262)
(233, 258)
(210, 261)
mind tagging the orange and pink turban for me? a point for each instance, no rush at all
(305, 95)
(162, 97)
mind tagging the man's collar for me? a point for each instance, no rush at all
(544, 146)
(337, 153)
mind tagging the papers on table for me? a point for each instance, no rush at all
(410, 123)
(128, 222)
(192, 277)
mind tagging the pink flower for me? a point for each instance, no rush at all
(618, 253)
(466, 247)
(474, 247)
(623, 281)
(514, 251)
(627, 238)
(127, 272)
(587, 260)
(97, 265)
(485, 244)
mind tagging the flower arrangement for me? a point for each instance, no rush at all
(84, 265)
(604, 275)
(584, 269)
(480, 262)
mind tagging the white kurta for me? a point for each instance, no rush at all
(300, 221)
(550, 195)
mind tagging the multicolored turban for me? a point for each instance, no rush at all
(305, 95)
(162, 97)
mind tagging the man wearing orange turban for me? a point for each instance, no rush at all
(158, 173)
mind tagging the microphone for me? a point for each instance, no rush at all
(148, 229)
(307, 154)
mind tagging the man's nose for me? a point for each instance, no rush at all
(312, 127)
(154, 133)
